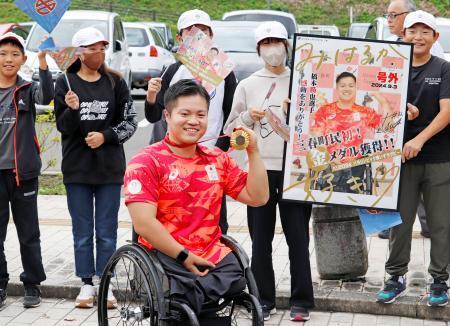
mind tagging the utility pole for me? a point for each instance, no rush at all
(351, 14)
(269, 4)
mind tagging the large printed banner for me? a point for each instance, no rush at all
(347, 117)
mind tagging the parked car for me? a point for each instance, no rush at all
(379, 30)
(287, 19)
(15, 28)
(326, 30)
(165, 32)
(26, 26)
(358, 30)
(242, 49)
(110, 24)
(149, 54)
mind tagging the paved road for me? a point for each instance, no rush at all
(62, 312)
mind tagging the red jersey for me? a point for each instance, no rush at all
(353, 125)
(187, 193)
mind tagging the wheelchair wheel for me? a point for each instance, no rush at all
(127, 275)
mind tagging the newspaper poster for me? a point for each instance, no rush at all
(346, 118)
(206, 62)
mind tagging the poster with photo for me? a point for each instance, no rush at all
(347, 119)
(203, 59)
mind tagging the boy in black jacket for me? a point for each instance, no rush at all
(20, 163)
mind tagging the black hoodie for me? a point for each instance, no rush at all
(104, 108)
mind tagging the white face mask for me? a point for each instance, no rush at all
(274, 55)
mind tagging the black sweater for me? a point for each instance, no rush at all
(105, 109)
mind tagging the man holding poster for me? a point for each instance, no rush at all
(426, 168)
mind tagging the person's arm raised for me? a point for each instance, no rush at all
(256, 190)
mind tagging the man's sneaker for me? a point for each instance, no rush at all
(86, 297)
(299, 314)
(268, 312)
(384, 234)
(32, 297)
(2, 297)
(111, 300)
(392, 289)
(438, 296)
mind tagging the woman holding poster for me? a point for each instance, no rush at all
(255, 108)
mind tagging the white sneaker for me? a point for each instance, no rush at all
(111, 300)
(86, 297)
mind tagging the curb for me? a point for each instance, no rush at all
(331, 301)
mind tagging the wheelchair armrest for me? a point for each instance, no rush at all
(237, 249)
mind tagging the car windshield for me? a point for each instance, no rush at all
(444, 37)
(358, 31)
(136, 37)
(63, 33)
(316, 31)
(286, 21)
(161, 30)
(225, 39)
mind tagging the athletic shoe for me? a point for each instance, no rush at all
(393, 288)
(111, 300)
(384, 234)
(438, 296)
(268, 312)
(299, 314)
(86, 297)
(32, 297)
(3, 296)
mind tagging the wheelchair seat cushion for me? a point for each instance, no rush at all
(223, 281)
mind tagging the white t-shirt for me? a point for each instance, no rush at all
(215, 113)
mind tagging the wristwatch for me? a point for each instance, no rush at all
(182, 256)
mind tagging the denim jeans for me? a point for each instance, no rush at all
(93, 207)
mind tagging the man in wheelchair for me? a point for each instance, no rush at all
(173, 191)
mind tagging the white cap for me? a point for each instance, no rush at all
(193, 17)
(88, 36)
(14, 37)
(420, 16)
(270, 29)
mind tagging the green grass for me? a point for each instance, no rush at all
(51, 185)
(306, 11)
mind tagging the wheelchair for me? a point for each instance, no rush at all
(141, 287)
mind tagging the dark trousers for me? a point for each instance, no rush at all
(295, 221)
(223, 222)
(93, 207)
(23, 200)
(227, 278)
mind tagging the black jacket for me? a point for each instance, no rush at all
(26, 145)
(153, 113)
(103, 108)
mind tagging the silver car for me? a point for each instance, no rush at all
(242, 49)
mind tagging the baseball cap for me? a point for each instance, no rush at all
(270, 29)
(193, 17)
(420, 16)
(14, 37)
(88, 36)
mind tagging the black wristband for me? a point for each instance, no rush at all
(182, 256)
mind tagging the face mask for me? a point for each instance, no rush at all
(274, 55)
(94, 60)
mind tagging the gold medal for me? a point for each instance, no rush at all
(239, 139)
